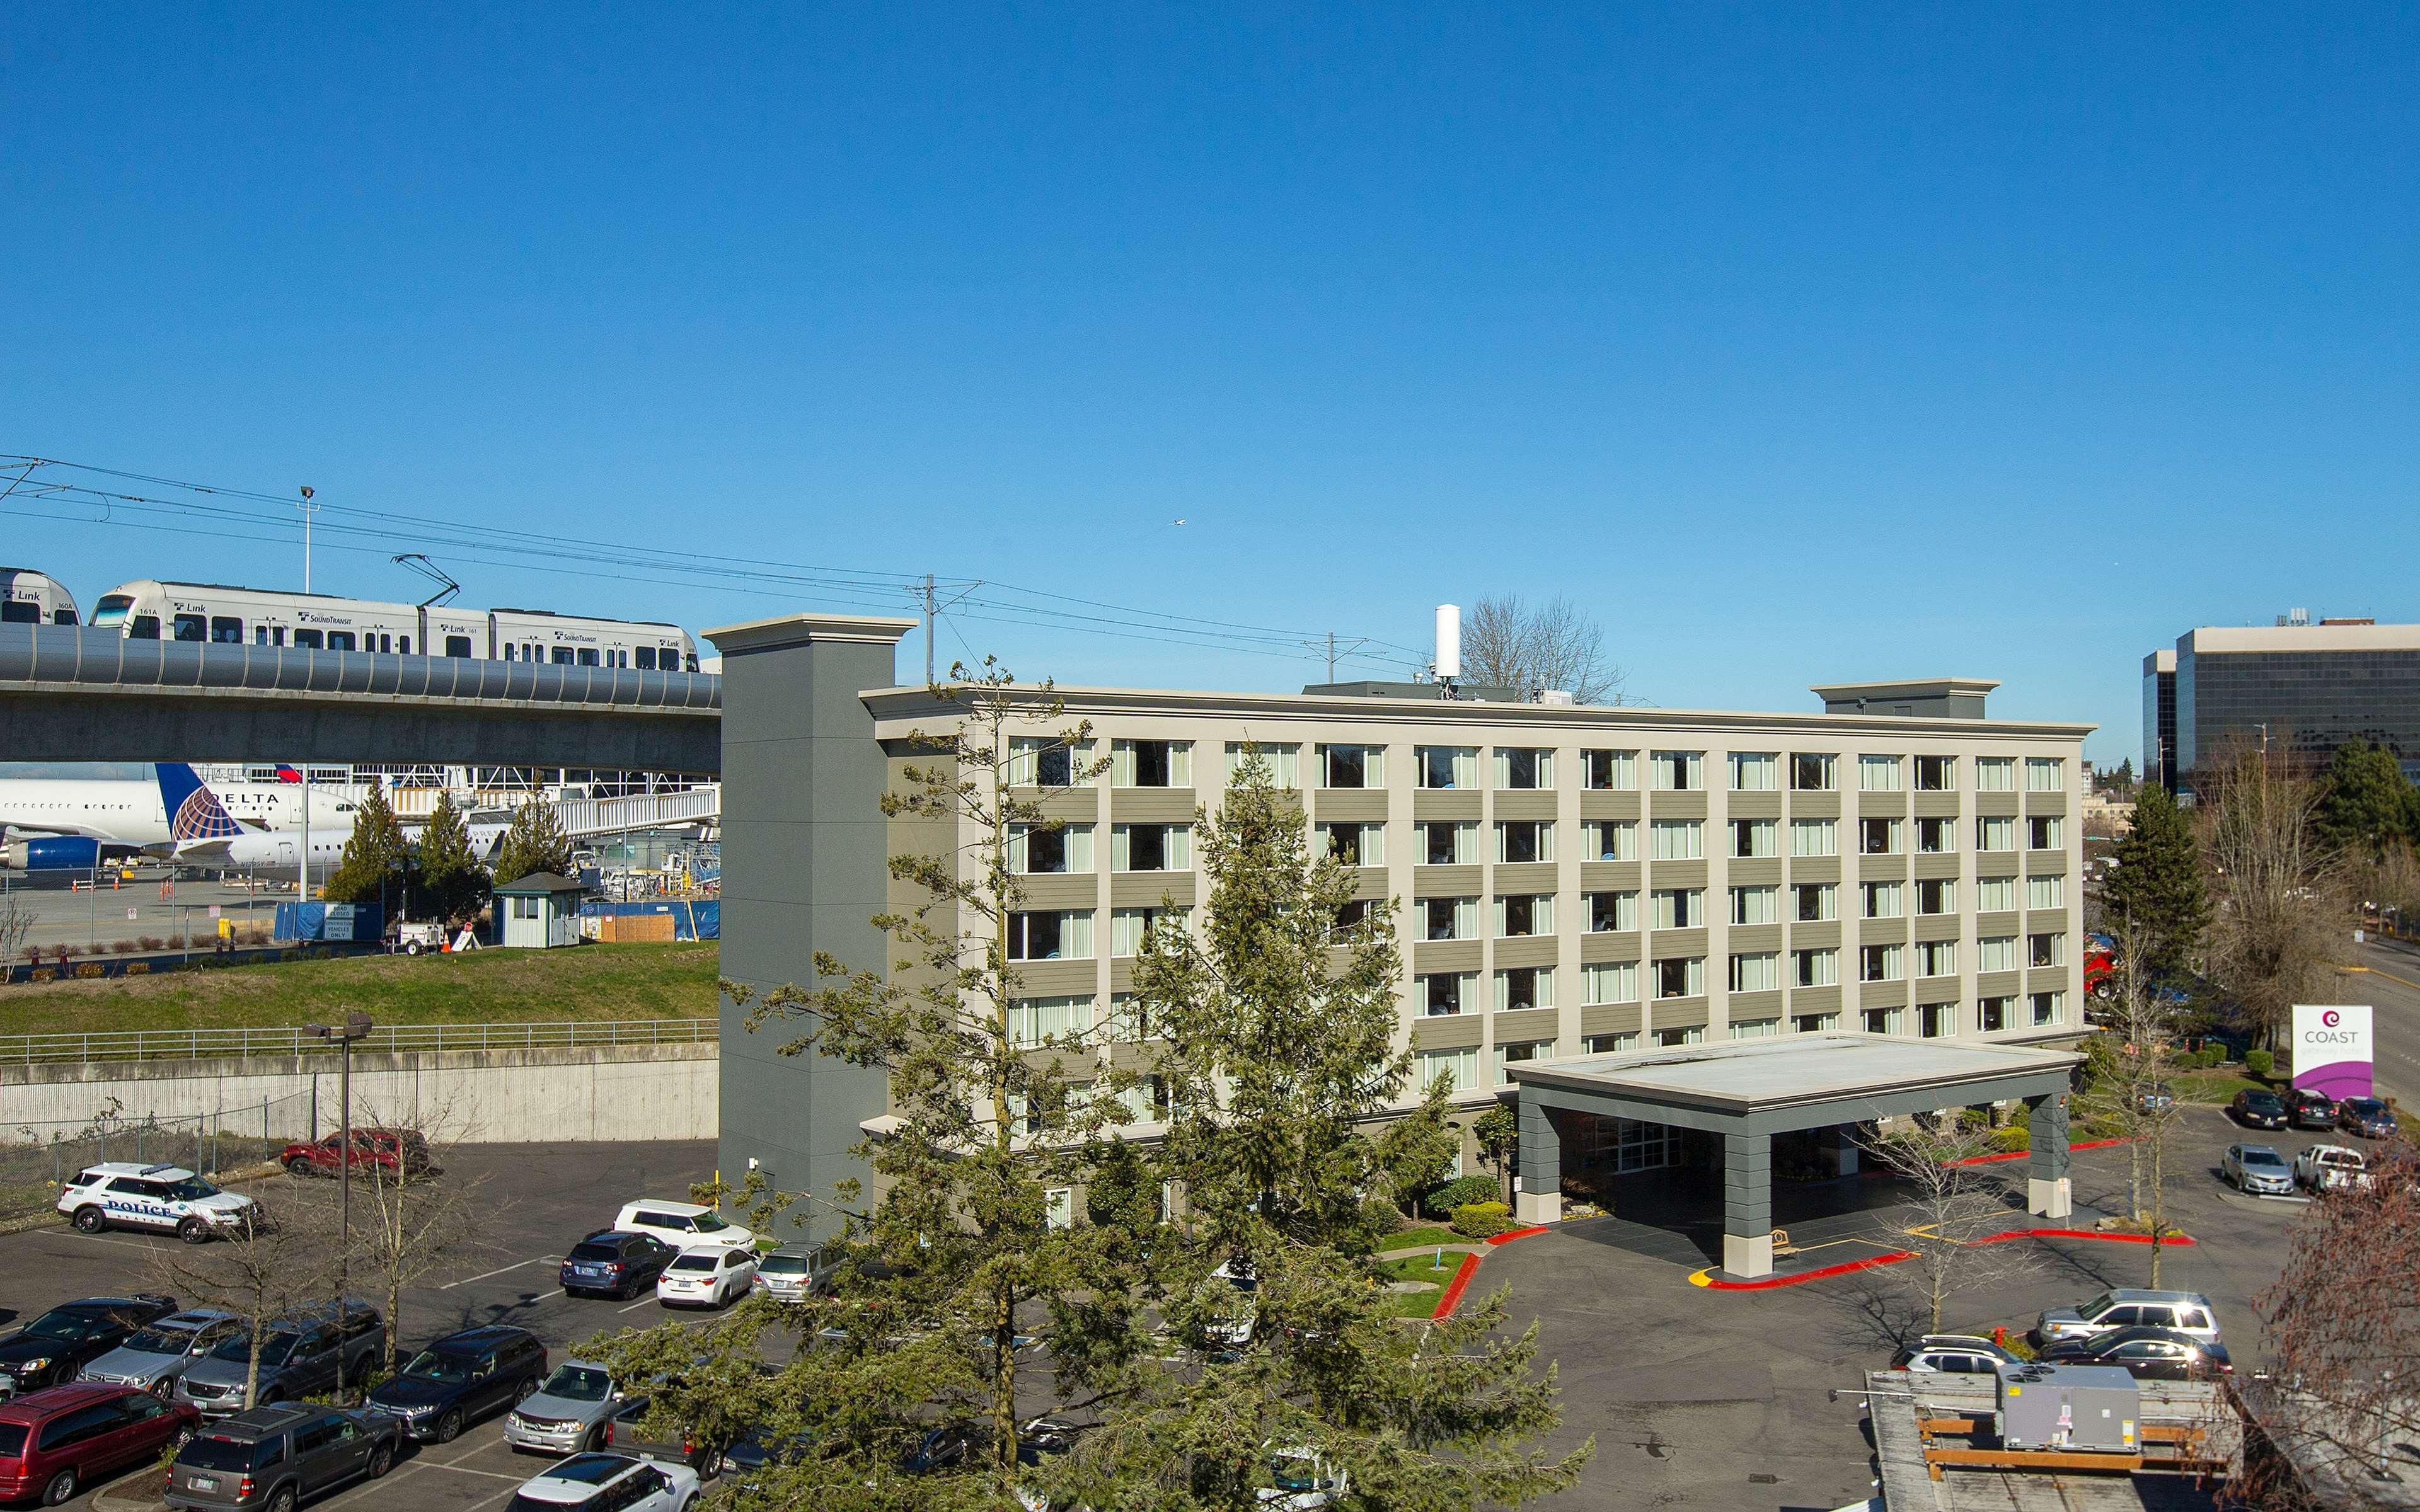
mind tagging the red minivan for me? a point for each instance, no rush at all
(55, 1442)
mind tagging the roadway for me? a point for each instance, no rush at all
(2385, 974)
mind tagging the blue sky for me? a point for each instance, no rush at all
(1796, 343)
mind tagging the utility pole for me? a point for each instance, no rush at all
(932, 612)
(1332, 656)
(356, 1026)
(308, 508)
(303, 877)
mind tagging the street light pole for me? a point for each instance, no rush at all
(356, 1026)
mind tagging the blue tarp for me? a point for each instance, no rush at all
(330, 922)
(690, 920)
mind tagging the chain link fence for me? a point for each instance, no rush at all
(34, 1158)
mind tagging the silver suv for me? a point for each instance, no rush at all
(568, 1413)
(163, 1349)
(299, 1357)
(2187, 1312)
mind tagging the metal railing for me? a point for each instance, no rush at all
(195, 1044)
(584, 817)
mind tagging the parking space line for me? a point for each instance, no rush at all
(644, 1302)
(104, 1238)
(517, 1265)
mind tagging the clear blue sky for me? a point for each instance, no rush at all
(1797, 344)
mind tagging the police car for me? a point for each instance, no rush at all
(121, 1195)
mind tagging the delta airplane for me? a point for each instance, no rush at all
(278, 854)
(74, 824)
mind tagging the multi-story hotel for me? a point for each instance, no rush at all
(1571, 881)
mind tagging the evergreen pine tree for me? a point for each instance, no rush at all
(2157, 886)
(451, 884)
(372, 868)
(2365, 810)
(534, 844)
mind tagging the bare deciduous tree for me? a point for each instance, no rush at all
(2280, 910)
(2133, 1092)
(1957, 1207)
(1507, 642)
(277, 1262)
(412, 1219)
(16, 922)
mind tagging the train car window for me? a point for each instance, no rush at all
(646, 658)
(260, 635)
(340, 640)
(386, 643)
(509, 652)
(17, 611)
(189, 628)
(111, 610)
(146, 627)
(562, 656)
(691, 660)
(309, 639)
(277, 634)
(62, 616)
(225, 631)
(403, 645)
(458, 645)
(588, 655)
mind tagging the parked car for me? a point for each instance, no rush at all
(568, 1412)
(754, 1449)
(2368, 1117)
(614, 1263)
(797, 1271)
(2311, 1109)
(163, 1198)
(395, 1150)
(1302, 1479)
(1953, 1354)
(2187, 1312)
(2256, 1168)
(300, 1355)
(2145, 1353)
(154, 1356)
(684, 1224)
(56, 1345)
(2156, 1098)
(626, 1433)
(620, 1482)
(952, 1442)
(460, 1379)
(54, 1442)
(709, 1276)
(2327, 1168)
(277, 1456)
(2256, 1109)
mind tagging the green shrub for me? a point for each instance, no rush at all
(2210, 1055)
(2259, 1063)
(1481, 1220)
(1441, 1201)
(2016, 1137)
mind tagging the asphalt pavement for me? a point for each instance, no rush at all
(2388, 979)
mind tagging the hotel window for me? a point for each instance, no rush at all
(1812, 902)
(1446, 766)
(1936, 774)
(1151, 763)
(1756, 1029)
(1815, 968)
(1513, 1055)
(1997, 952)
(1612, 912)
(1996, 895)
(1936, 895)
(1127, 926)
(1935, 1020)
(1458, 1067)
(2043, 834)
(2045, 773)
(2045, 893)
(1755, 905)
(1059, 1205)
(1878, 837)
(1039, 762)
(1756, 972)
(1609, 840)
(1674, 1038)
(1442, 991)
(1936, 837)
(1992, 1015)
(1356, 844)
(1676, 771)
(1151, 847)
(1995, 774)
(1996, 834)
(1813, 773)
(1610, 771)
(1524, 913)
(1057, 935)
(1816, 1023)
(1452, 918)
(1756, 839)
(2047, 950)
(1041, 850)
(1519, 841)
(1678, 908)
(1883, 1020)
(1444, 842)
(1521, 988)
(1882, 963)
(1610, 981)
(1284, 762)
(1033, 1021)
(1936, 958)
(1755, 771)
(1676, 840)
(1878, 774)
(1520, 768)
(1881, 901)
(1680, 977)
(1353, 766)
(1610, 1044)
(2049, 1008)
(1814, 837)
(1351, 918)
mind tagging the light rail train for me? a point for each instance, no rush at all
(153, 610)
(30, 597)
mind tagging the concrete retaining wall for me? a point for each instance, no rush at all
(657, 1091)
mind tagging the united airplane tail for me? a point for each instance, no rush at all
(194, 811)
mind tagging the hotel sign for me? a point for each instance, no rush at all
(2332, 1048)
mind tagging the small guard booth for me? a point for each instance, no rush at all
(539, 911)
(1749, 1090)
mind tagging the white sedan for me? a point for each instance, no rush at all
(2325, 1167)
(706, 1276)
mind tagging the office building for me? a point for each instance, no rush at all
(2296, 686)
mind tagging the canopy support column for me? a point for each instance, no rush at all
(1747, 1204)
(2049, 1191)
(1541, 1199)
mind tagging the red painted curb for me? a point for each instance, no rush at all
(2021, 1154)
(2165, 1240)
(1517, 1233)
(1454, 1289)
(1767, 1283)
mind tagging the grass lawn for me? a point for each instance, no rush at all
(1429, 1238)
(1417, 1268)
(2218, 1085)
(491, 986)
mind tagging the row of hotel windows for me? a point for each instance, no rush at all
(1446, 993)
(1164, 847)
(1517, 915)
(1037, 761)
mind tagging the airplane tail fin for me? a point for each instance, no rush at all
(194, 810)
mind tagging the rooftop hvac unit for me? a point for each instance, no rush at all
(2091, 1409)
(1449, 642)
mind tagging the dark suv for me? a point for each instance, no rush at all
(275, 1457)
(300, 1356)
(53, 1347)
(2312, 1109)
(460, 1379)
(614, 1263)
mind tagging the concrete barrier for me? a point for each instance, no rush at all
(646, 1092)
